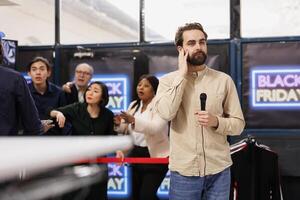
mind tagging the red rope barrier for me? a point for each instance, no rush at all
(128, 160)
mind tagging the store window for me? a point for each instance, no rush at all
(31, 22)
(270, 18)
(99, 21)
(162, 18)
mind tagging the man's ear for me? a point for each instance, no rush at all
(178, 48)
(49, 73)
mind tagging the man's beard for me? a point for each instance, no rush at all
(197, 58)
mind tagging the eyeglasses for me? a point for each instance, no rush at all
(83, 73)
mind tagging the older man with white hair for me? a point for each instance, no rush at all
(74, 91)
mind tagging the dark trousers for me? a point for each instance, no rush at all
(146, 178)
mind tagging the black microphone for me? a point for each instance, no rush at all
(203, 97)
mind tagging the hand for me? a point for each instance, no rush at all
(117, 120)
(127, 117)
(204, 118)
(47, 124)
(182, 61)
(120, 154)
(67, 87)
(61, 119)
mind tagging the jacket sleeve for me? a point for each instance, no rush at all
(70, 111)
(29, 114)
(232, 122)
(169, 96)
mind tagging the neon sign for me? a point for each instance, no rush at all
(119, 184)
(27, 77)
(118, 90)
(163, 190)
(275, 88)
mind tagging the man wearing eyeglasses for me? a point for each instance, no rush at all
(74, 90)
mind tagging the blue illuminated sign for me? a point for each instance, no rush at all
(159, 74)
(118, 90)
(163, 190)
(27, 78)
(119, 182)
(275, 87)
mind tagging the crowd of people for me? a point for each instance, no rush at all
(165, 120)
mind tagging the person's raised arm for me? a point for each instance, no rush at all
(171, 88)
(60, 118)
(67, 87)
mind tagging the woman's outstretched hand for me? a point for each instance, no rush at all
(128, 118)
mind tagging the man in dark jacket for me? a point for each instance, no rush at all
(16, 103)
(74, 90)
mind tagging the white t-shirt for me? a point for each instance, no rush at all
(139, 138)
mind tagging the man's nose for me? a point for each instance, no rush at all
(198, 46)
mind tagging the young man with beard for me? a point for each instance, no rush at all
(199, 153)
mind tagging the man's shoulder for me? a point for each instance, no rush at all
(73, 93)
(31, 87)
(55, 88)
(74, 89)
(108, 112)
(169, 76)
(218, 73)
(10, 78)
(8, 73)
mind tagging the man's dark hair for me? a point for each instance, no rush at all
(39, 59)
(187, 27)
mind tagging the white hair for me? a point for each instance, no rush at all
(86, 65)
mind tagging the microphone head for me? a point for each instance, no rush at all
(203, 96)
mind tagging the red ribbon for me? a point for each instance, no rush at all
(128, 160)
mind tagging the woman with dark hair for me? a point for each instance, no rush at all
(150, 136)
(89, 118)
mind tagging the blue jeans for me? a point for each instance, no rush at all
(210, 187)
